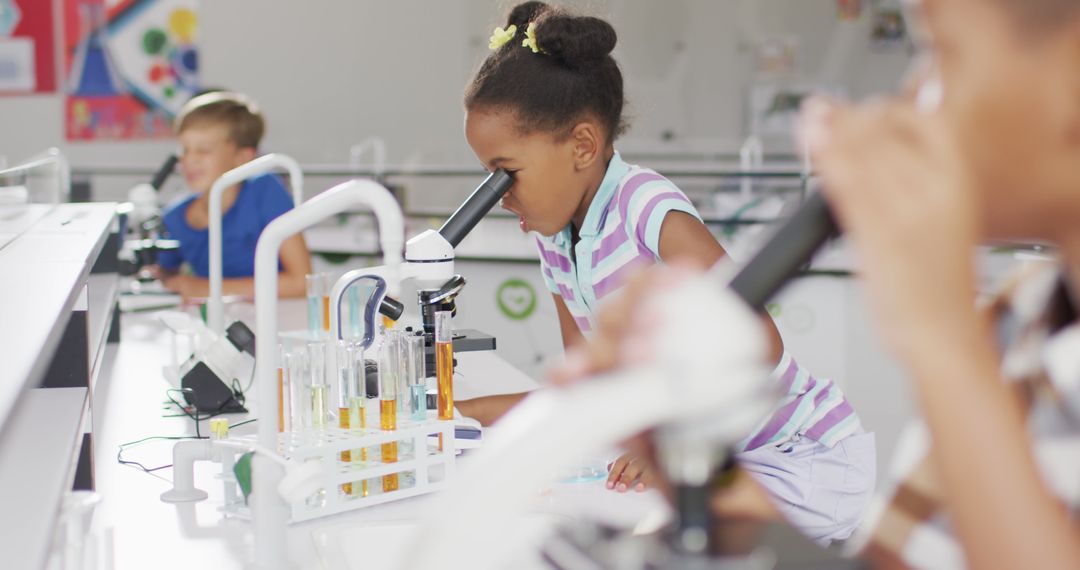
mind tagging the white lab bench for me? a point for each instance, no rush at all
(138, 530)
(57, 302)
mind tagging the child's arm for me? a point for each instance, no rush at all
(571, 334)
(295, 262)
(684, 238)
(488, 409)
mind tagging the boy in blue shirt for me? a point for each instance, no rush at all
(218, 132)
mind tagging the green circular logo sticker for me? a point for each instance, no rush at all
(516, 299)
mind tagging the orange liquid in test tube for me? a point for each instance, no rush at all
(326, 313)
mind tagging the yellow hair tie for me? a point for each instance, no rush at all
(499, 37)
(530, 38)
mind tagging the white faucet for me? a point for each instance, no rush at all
(269, 510)
(53, 157)
(215, 313)
(751, 157)
(377, 146)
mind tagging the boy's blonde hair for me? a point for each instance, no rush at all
(239, 114)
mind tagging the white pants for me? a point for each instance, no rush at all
(822, 492)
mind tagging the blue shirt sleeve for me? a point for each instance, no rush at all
(175, 225)
(274, 199)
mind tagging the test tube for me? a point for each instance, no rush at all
(315, 285)
(404, 401)
(319, 388)
(389, 370)
(283, 390)
(352, 296)
(327, 285)
(417, 376)
(299, 391)
(350, 366)
(444, 363)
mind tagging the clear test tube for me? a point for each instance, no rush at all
(300, 390)
(416, 374)
(315, 285)
(389, 372)
(320, 389)
(283, 390)
(404, 405)
(350, 361)
(289, 361)
(444, 363)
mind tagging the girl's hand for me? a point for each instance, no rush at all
(896, 180)
(631, 471)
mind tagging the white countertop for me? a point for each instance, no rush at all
(146, 531)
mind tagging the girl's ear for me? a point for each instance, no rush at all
(587, 144)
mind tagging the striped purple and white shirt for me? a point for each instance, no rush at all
(620, 234)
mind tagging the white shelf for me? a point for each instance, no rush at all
(102, 290)
(46, 259)
(40, 443)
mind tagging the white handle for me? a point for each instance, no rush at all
(215, 314)
(269, 510)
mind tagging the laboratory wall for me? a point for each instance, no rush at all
(329, 73)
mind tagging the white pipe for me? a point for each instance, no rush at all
(269, 511)
(215, 313)
(751, 158)
(378, 149)
(185, 454)
(53, 157)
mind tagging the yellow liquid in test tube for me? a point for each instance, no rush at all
(319, 407)
(280, 399)
(346, 456)
(388, 422)
(356, 419)
(444, 366)
(444, 370)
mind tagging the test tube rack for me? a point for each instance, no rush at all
(431, 468)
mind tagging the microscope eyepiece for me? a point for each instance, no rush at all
(479, 203)
(786, 252)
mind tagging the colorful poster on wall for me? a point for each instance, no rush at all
(27, 49)
(129, 65)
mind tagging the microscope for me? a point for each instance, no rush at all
(140, 250)
(429, 262)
